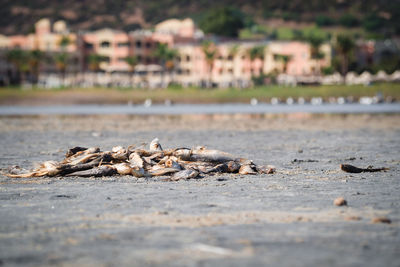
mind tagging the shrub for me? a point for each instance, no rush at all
(348, 20)
(322, 20)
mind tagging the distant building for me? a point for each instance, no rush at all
(232, 65)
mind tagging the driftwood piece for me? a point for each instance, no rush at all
(353, 169)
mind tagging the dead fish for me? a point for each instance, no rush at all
(246, 169)
(67, 168)
(16, 170)
(221, 168)
(136, 160)
(184, 174)
(123, 168)
(77, 151)
(353, 169)
(119, 153)
(163, 171)
(47, 168)
(233, 166)
(82, 159)
(169, 163)
(139, 172)
(74, 150)
(104, 170)
(265, 169)
(203, 154)
(244, 161)
(155, 145)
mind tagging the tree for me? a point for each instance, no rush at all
(19, 59)
(35, 59)
(348, 20)
(61, 61)
(233, 51)
(256, 52)
(373, 23)
(94, 62)
(166, 56)
(64, 42)
(225, 21)
(315, 42)
(62, 58)
(285, 59)
(132, 62)
(344, 46)
(210, 53)
(322, 20)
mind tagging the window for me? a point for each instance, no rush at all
(88, 45)
(138, 44)
(230, 57)
(123, 44)
(121, 59)
(187, 58)
(105, 44)
(148, 45)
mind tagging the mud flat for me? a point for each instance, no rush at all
(285, 219)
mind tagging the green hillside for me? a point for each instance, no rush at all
(18, 16)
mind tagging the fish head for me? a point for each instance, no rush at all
(155, 145)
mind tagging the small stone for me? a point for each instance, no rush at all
(340, 201)
(353, 218)
(381, 220)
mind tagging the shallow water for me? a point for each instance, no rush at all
(198, 109)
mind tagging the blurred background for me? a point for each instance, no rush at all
(166, 52)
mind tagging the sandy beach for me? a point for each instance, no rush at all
(286, 219)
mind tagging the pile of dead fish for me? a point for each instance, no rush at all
(178, 163)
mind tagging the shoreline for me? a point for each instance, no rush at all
(199, 122)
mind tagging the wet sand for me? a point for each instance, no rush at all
(285, 219)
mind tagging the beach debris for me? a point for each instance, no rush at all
(353, 169)
(177, 163)
(340, 201)
(304, 160)
(381, 220)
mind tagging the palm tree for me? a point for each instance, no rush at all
(64, 42)
(233, 51)
(94, 63)
(62, 58)
(132, 62)
(344, 46)
(166, 56)
(256, 52)
(19, 59)
(316, 54)
(210, 53)
(285, 59)
(35, 59)
(61, 61)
